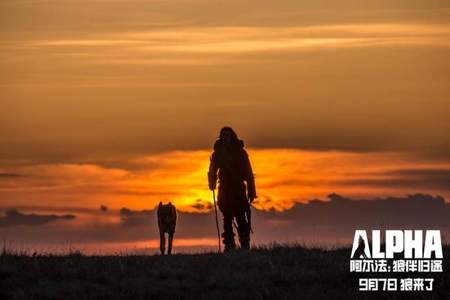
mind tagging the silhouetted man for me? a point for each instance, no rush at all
(167, 221)
(231, 165)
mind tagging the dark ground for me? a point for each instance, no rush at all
(275, 273)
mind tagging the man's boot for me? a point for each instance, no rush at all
(228, 241)
(244, 239)
(244, 232)
(228, 234)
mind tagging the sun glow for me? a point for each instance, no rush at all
(283, 177)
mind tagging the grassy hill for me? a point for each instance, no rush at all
(265, 273)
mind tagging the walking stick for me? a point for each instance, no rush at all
(217, 220)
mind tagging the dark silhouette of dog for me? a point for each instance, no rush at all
(167, 222)
(360, 250)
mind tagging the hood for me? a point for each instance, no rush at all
(219, 143)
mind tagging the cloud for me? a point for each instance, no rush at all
(53, 208)
(129, 217)
(201, 41)
(426, 178)
(283, 177)
(415, 210)
(328, 221)
(9, 175)
(202, 205)
(15, 218)
(321, 221)
(318, 62)
(337, 218)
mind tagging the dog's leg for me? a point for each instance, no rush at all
(162, 242)
(169, 249)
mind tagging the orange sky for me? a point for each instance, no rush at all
(85, 80)
(118, 102)
(283, 177)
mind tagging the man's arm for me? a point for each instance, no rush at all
(249, 178)
(212, 173)
(158, 215)
(174, 213)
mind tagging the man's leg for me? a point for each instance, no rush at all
(243, 231)
(228, 234)
(169, 246)
(162, 242)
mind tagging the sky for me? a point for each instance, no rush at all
(118, 103)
